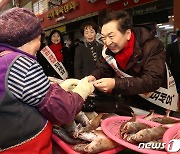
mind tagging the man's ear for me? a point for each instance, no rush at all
(128, 34)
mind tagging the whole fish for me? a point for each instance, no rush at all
(150, 115)
(96, 121)
(128, 138)
(133, 119)
(99, 142)
(165, 119)
(72, 128)
(93, 125)
(150, 134)
(91, 115)
(107, 115)
(62, 134)
(100, 145)
(132, 126)
(80, 147)
(82, 118)
(90, 136)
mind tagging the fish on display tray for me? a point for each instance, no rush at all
(88, 139)
(68, 148)
(137, 132)
(111, 127)
(165, 120)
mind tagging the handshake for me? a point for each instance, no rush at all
(82, 87)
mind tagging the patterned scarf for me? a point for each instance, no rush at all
(92, 46)
(123, 56)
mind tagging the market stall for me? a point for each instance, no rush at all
(129, 129)
(164, 129)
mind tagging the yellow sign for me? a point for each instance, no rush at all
(61, 29)
(64, 9)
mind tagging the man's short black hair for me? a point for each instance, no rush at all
(124, 19)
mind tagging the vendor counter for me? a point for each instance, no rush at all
(60, 147)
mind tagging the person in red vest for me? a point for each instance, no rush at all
(29, 104)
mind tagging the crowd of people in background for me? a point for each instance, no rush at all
(78, 57)
(129, 64)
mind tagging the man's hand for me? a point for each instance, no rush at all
(104, 84)
(91, 78)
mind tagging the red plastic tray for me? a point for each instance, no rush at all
(156, 115)
(68, 148)
(172, 133)
(111, 127)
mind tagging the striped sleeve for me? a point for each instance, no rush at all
(27, 81)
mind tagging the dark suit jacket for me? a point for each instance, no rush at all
(83, 61)
(173, 60)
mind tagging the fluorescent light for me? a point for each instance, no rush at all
(171, 16)
(163, 26)
(170, 27)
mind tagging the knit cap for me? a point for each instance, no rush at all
(19, 26)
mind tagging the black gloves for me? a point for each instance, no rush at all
(107, 103)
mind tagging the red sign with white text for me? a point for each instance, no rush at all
(77, 8)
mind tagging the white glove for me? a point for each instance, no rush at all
(84, 88)
(69, 84)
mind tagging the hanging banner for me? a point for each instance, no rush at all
(164, 97)
(51, 58)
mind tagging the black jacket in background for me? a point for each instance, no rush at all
(173, 60)
(83, 62)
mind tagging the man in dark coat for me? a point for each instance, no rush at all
(173, 59)
(132, 65)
